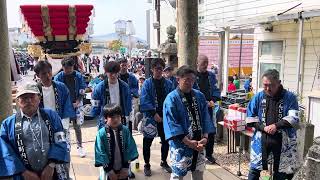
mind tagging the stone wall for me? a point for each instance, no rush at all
(311, 168)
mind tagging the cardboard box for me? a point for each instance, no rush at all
(234, 125)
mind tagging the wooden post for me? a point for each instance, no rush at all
(5, 73)
(187, 18)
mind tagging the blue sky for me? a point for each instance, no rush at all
(106, 13)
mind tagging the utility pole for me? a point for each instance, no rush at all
(187, 17)
(5, 72)
(157, 4)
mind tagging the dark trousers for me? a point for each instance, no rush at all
(254, 174)
(271, 145)
(210, 143)
(130, 126)
(147, 142)
(77, 130)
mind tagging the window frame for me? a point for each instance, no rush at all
(269, 59)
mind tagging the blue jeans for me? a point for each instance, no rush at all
(254, 174)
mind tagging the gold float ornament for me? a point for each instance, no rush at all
(60, 56)
(85, 48)
(35, 50)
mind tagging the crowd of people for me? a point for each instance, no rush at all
(177, 107)
(25, 62)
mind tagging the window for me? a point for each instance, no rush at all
(265, 66)
(270, 57)
(273, 48)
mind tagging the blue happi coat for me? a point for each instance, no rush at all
(64, 106)
(148, 105)
(103, 153)
(10, 161)
(247, 85)
(289, 161)
(174, 82)
(176, 123)
(133, 85)
(80, 83)
(98, 101)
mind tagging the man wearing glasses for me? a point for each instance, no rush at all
(153, 93)
(187, 124)
(32, 141)
(274, 113)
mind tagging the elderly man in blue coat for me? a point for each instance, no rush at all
(206, 82)
(274, 113)
(33, 144)
(186, 125)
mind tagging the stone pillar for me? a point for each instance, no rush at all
(311, 168)
(5, 76)
(313, 161)
(187, 17)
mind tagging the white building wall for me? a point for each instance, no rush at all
(167, 18)
(288, 32)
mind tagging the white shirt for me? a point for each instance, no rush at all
(49, 100)
(114, 93)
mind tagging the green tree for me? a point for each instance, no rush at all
(115, 45)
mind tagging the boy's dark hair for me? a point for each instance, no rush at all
(42, 65)
(122, 60)
(112, 67)
(111, 110)
(230, 78)
(67, 62)
(156, 61)
(184, 70)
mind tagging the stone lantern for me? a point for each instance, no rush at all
(168, 50)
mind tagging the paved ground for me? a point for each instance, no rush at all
(83, 168)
